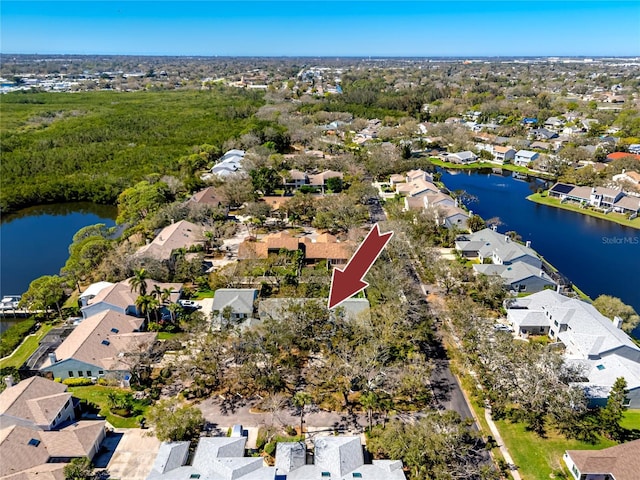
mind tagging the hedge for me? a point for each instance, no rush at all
(77, 382)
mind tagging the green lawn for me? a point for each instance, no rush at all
(97, 394)
(26, 348)
(166, 335)
(543, 199)
(538, 457)
(631, 420)
(475, 165)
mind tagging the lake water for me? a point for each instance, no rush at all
(598, 256)
(35, 241)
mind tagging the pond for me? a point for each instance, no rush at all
(35, 241)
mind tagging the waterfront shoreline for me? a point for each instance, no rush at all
(543, 199)
(489, 165)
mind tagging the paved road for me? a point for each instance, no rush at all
(446, 388)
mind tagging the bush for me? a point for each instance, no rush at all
(270, 448)
(57, 380)
(77, 382)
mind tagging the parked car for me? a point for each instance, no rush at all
(500, 327)
(189, 304)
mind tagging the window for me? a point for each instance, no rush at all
(59, 414)
(326, 475)
(357, 475)
(34, 442)
(105, 342)
(67, 404)
(626, 402)
(70, 373)
(100, 372)
(88, 373)
(194, 475)
(79, 373)
(600, 367)
(114, 330)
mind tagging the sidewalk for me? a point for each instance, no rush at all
(513, 468)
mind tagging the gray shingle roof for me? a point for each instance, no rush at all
(240, 300)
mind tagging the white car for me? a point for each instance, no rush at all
(188, 304)
(500, 327)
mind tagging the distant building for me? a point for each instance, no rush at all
(230, 163)
(525, 157)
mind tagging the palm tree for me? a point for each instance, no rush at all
(139, 281)
(165, 295)
(300, 400)
(146, 303)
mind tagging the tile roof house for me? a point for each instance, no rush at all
(324, 247)
(37, 403)
(98, 346)
(182, 234)
(121, 298)
(631, 177)
(591, 341)
(619, 155)
(620, 462)
(222, 458)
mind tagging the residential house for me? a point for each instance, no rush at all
(320, 179)
(323, 247)
(295, 178)
(210, 196)
(462, 157)
(32, 453)
(525, 157)
(543, 134)
(529, 121)
(591, 341)
(229, 164)
(39, 433)
(634, 148)
(121, 297)
(599, 197)
(98, 346)
(36, 403)
(620, 462)
(222, 458)
(91, 291)
(619, 155)
(541, 145)
(519, 276)
(554, 122)
(179, 235)
(418, 174)
(416, 188)
(234, 304)
(503, 154)
(498, 248)
(630, 177)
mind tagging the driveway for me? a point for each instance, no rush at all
(134, 455)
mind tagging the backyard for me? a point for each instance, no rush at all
(98, 395)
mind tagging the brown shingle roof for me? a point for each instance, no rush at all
(208, 196)
(76, 440)
(100, 338)
(36, 399)
(325, 247)
(182, 234)
(621, 461)
(17, 454)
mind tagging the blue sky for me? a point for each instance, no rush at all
(322, 28)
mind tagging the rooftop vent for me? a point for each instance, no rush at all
(34, 442)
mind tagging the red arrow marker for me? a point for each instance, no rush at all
(348, 281)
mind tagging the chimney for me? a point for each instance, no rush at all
(617, 322)
(494, 228)
(558, 288)
(528, 243)
(8, 380)
(506, 238)
(52, 358)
